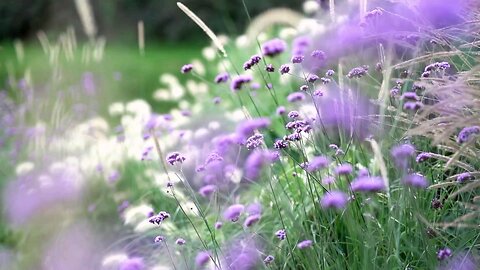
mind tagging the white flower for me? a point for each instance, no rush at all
(209, 53)
(116, 108)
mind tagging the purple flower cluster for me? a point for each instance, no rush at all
(334, 199)
(344, 169)
(444, 253)
(401, 154)
(415, 180)
(467, 133)
(233, 212)
(239, 81)
(464, 177)
(255, 59)
(368, 184)
(222, 77)
(317, 163)
(273, 47)
(358, 72)
(270, 68)
(186, 68)
(174, 158)
(296, 96)
(423, 157)
(304, 244)
(281, 234)
(284, 69)
(254, 141)
(159, 218)
(297, 59)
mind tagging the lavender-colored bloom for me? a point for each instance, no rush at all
(180, 241)
(281, 234)
(317, 163)
(242, 254)
(269, 259)
(297, 59)
(328, 180)
(304, 88)
(114, 176)
(423, 157)
(222, 77)
(255, 59)
(280, 144)
(344, 169)
(318, 93)
(202, 258)
(312, 78)
(329, 73)
(293, 114)
(412, 106)
(461, 261)
(281, 110)
(300, 45)
(233, 212)
(444, 253)
(358, 72)
(412, 96)
(269, 86)
(296, 136)
(123, 205)
(334, 199)
(254, 209)
(250, 220)
(467, 133)
(254, 164)
(207, 190)
(159, 238)
(273, 47)
(254, 141)
(218, 225)
(175, 157)
(464, 177)
(368, 184)
(284, 69)
(325, 80)
(320, 55)
(158, 219)
(270, 68)
(296, 96)
(186, 68)
(304, 244)
(415, 180)
(89, 83)
(135, 263)
(239, 81)
(401, 154)
(217, 100)
(363, 172)
(246, 128)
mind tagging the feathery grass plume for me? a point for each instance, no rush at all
(204, 27)
(85, 11)
(271, 17)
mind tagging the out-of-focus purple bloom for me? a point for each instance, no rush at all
(159, 239)
(461, 261)
(89, 83)
(270, 68)
(334, 199)
(218, 225)
(233, 212)
(301, 45)
(317, 163)
(318, 93)
(415, 180)
(281, 110)
(254, 164)
(328, 180)
(312, 78)
(250, 220)
(304, 88)
(175, 157)
(242, 254)
(134, 263)
(281, 234)
(296, 96)
(246, 128)
(412, 96)
(114, 176)
(123, 205)
(401, 154)
(180, 241)
(284, 69)
(423, 157)
(467, 133)
(254, 209)
(297, 59)
(412, 106)
(293, 114)
(202, 258)
(280, 144)
(368, 184)
(269, 259)
(363, 172)
(319, 55)
(222, 77)
(344, 169)
(325, 80)
(239, 81)
(217, 100)
(296, 136)
(186, 68)
(273, 47)
(358, 72)
(207, 190)
(464, 177)
(329, 73)
(444, 253)
(304, 244)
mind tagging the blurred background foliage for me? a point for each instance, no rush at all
(117, 19)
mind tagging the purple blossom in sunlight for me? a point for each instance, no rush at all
(254, 141)
(174, 158)
(328, 180)
(134, 263)
(254, 209)
(295, 97)
(186, 68)
(297, 59)
(284, 69)
(222, 77)
(281, 110)
(317, 163)
(423, 157)
(202, 258)
(415, 180)
(329, 73)
(401, 154)
(344, 169)
(358, 72)
(318, 93)
(250, 220)
(319, 55)
(270, 68)
(301, 45)
(334, 199)
(412, 106)
(273, 47)
(269, 259)
(254, 164)
(304, 244)
(312, 78)
(467, 133)
(159, 239)
(180, 241)
(296, 136)
(373, 13)
(444, 253)
(280, 144)
(207, 190)
(255, 59)
(281, 234)
(218, 225)
(239, 81)
(293, 114)
(463, 177)
(233, 212)
(368, 184)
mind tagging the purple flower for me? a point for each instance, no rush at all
(280, 144)
(296, 96)
(358, 72)
(334, 199)
(217, 100)
(159, 238)
(412, 106)
(320, 55)
(368, 184)
(293, 114)
(207, 190)
(415, 180)
(325, 80)
(423, 157)
(239, 81)
(158, 219)
(344, 169)
(233, 212)
(284, 69)
(444, 253)
(269, 259)
(464, 177)
(312, 78)
(363, 172)
(466, 134)
(281, 110)
(281, 234)
(250, 220)
(255, 59)
(401, 154)
(273, 47)
(269, 68)
(202, 258)
(301, 44)
(175, 157)
(297, 59)
(186, 68)
(242, 254)
(246, 128)
(412, 96)
(222, 77)
(180, 241)
(218, 225)
(254, 209)
(135, 263)
(304, 88)
(317, 163)
(304, 244)
(329, 73)
(254, 141)
(328, 180)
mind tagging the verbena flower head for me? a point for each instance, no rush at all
(358, 72)
(344, 169)
(301, 45)
(239, 81)
(269, 259)
(246, 128)
(254, 209)
(218, 225)
(233, 212)
(252, 219)
(334, 199)
(463, 177)
(312, 78)
(134, 263)
(273, 47)
(186, 68)
(412, 106)
(304, 244)
(444, 253)
(180, 241)
(254, 141)
(158, 219)
(222, 77)
(304, 88)
(255, 59)
(466, 134)
(284, 69)
(296, 96)
(207, 190)
(368, 184)
(254, 164)
(270, 68)
(319, 55)
(329, 73)
(174, 158)
(415, 180)
(159, 238)
(423, 157)
(281, 234)
(401, 154)
(317, 163)
(297, 59)
(411, 96)
(280, 144)
(293, 114)
(202, 258)
(281, 110)
(242, 254)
